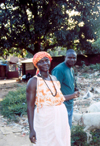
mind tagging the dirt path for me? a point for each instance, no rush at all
(9, 136)
(7, 81)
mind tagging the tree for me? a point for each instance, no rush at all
(35, 25)
(96, 43)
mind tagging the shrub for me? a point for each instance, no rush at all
(78, 136)
(95, 138)
(95, 66)
(14, 103)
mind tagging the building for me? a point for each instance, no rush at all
(3, 69)
(28, 67)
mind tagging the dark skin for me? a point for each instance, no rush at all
(70, 60)
(44, 66)
(31, 97)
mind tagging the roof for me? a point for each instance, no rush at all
(27, 61)
(13, 59)
(3, 62)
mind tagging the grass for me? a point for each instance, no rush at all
(14, 104)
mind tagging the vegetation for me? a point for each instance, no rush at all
(14, 104)
(33, 25)
(95, 66)
(95, 137)
(91, 66)
(86, 70)
(78, 136)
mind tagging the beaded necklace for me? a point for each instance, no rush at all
(48, 86)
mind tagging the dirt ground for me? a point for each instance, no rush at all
(7, 137)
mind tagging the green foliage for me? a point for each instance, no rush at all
(86, 69)
(95, 66)
(78, 136)
(58, 51)
(14, 103)
(95, 138)
(34, 25)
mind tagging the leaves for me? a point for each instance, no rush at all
(25, 23)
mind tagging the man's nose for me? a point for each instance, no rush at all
(72, 59)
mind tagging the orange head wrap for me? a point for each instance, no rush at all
(38, 56)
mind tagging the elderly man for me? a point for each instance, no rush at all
(65, 74)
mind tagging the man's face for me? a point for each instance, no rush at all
(44, 64)
(71, 59)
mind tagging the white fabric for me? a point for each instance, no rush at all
(51, 126)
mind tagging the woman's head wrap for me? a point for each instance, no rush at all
(38, 56)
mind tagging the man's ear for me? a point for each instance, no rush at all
(65, 57)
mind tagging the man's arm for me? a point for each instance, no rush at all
(31, 97)
(72, 96)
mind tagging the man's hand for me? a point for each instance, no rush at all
(33, 136)
(76, 89)
(76, 94)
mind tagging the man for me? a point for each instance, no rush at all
(65, 74)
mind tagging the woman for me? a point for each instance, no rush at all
(48, 123)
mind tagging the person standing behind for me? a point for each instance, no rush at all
(65, 74)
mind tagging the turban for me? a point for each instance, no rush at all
(38, 56)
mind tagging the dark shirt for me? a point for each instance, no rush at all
(66, 77)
